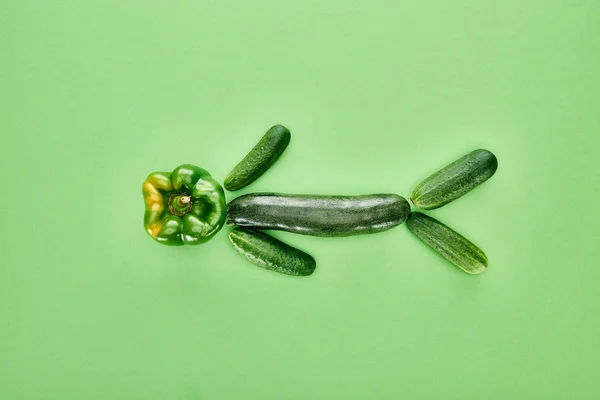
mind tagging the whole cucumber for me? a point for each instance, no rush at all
(319, 215)
(456, 179)
(270, 253)
(259, 159)
(453, 246)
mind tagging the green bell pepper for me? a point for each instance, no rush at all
(186, 206)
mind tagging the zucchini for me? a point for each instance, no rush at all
(259, 159)
(319, 215)
(456, 179)
(453, 246)
(270, 253)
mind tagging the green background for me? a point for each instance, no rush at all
(378, 95)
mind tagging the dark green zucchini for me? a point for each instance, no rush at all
(454, 247)
(319, 215)
(270, 253)
(259, 159)
(453, 181)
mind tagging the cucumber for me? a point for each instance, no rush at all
(319, 215)
(270, 253)
(456, 179)
(259, 159)
(450, 244)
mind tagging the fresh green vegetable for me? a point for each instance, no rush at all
(186, 206)
(319, 215)
(450, 244)
(453, 181)
(259, 159)
(270, 253)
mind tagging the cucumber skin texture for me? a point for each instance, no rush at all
(455, 180)
(259, 159)
(453, 246)
(270, 253)
(319, 215)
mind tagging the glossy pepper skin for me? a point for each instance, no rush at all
(186, 206)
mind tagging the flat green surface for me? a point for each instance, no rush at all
(94, 95)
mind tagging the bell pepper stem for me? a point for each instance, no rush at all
(184, 200)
